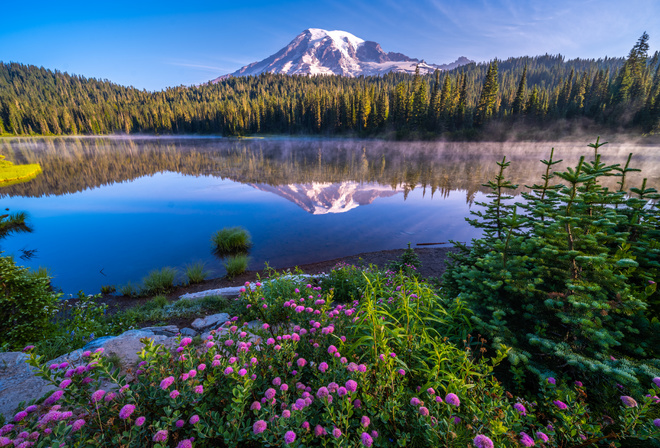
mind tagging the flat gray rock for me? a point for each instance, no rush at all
(18, 383)
(188, 332)
(167, 330)
(213, 320)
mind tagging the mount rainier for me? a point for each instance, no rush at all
(320, 52)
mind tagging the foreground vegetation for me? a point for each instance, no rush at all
(536, 91)
(543, 333)
(395, 367)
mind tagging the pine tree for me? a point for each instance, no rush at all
(518, 107)
(487, 104)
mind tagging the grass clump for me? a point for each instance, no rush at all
(108, 289)
(129, 290)
(159, 281)
(196, 273)
(231, 240)
(236, 265)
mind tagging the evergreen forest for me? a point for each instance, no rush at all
(614, 93)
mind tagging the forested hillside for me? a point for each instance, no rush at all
(614, 92)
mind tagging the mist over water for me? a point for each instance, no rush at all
(109, 210)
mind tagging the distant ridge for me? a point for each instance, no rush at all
(320, 52)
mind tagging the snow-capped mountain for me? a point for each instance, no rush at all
(320, 52)
(322, 198)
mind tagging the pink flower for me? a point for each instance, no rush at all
(259, 427)
(364, 421)
(174, 394)
(256, 406)
(336, 433)
(319, 431)
(302, 362)
(96, 396)
(194, 419)
(526, 440)
(185, 341)
(322, 392)
(452, 399)
(160, 436)
(199, 389)
(551, 380)
(560, 404)
(20, 416)
(179, 423)
(229, 371)
(520, 408)
(415, 401)
(289, 437)
(323, 367)
(284, 387)
(423, 411)
(167, 382)
(126, 411)
(77, 425)
(482, 441)
(401, 372)
(185, 443)
(366, 440)
(54, 397)
(342, 391)
(332, 349)
(542, 436)
(140, 421)
(629, 401)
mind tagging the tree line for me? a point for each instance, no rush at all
(614, 92)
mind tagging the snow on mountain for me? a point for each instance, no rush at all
(322, 198)
(320, 52)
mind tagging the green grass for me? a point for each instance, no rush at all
(196, 273)
(236, 265)
(159, 281)
(129, 290)
(11, 174)
(108, 289)
(231, 240)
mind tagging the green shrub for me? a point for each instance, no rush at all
(129, 290)
(231, 240)
(408, 262)
(159, 281)
(196, 273)
(236, 265)
(374, 372)
(108, 289)
(347, 281)
(77, 322)
(27, 304)
(565, 282)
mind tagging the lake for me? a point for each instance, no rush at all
(108, 210)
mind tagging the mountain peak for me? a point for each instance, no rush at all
(316, 51)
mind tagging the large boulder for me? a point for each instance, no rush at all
(213, 320)
(18, 382)
(127, 345)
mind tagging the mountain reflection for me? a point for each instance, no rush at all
(321, 176)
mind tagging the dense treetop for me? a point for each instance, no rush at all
(613, 92)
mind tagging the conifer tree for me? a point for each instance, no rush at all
(518, 107)
(486, 107)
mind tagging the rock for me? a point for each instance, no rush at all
(127, 345)
(18, 383)
(210, 321)
(98, 343)
(188, 332)
(167, 330)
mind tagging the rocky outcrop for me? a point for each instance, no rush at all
(18, 382)
(214, 320)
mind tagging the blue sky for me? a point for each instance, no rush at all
(155, 44)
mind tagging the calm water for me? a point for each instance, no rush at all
(109, 210)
